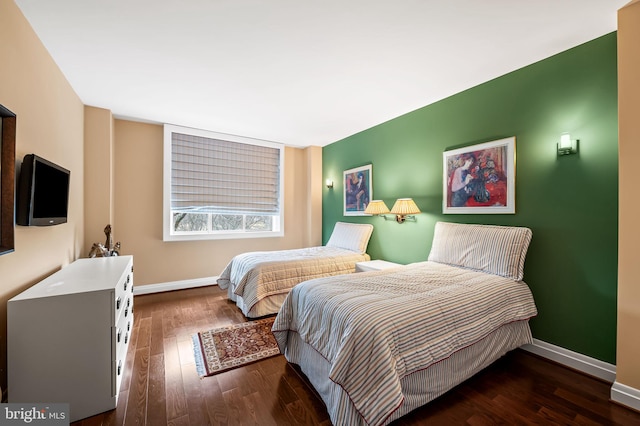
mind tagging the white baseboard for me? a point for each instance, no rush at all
(621, 394)
(577, 361)
(625, 395)
(173, 285)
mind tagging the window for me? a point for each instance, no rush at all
(221, 186)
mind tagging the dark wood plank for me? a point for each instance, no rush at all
(143, 333)
(235, 407)
(175, 397)
(216, 408)
(191, 382)
(259, 406)
(161, 387)
(156, 394)
(136, 414)
(156, 345)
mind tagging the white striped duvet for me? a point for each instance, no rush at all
(255, 276)
(375, 329)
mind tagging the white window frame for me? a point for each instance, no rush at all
(168, 233)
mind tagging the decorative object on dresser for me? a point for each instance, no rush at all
(67, 336)
(233, 346)
(108, 249)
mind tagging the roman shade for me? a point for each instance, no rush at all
(218, 176)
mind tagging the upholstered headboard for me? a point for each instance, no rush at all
(498, 250)
(351, 236)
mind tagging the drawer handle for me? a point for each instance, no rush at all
(128, 326)
(126, 312)
(118, 303)
(125, 286)
(119, 336)
(126, 338)
(119, 367)
(128, 302)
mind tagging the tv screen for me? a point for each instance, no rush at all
(43, 192)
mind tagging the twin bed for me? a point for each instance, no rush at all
(259, 281)
(377, 345)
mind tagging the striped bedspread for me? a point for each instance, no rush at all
(376, 328)
(259, 274)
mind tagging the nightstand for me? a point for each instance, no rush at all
(375, 265)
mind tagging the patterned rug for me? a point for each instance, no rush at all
(232, 346)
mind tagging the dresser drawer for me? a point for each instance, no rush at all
(121, 337)
(124, 296)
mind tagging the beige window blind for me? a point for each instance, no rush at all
(217, 176)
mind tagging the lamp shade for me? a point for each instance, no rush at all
(405, 206)
(567, 145)
(376, 207)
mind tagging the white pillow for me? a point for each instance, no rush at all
(498, 250)
(351, 236)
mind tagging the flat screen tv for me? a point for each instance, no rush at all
(43, 192)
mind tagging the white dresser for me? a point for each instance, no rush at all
(67, 336)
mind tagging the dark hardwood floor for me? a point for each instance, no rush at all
(161, 386)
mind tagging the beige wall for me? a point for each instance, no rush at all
(314, 211)
(49, 124)
(137, 221)
(98, 169)
(628, 339)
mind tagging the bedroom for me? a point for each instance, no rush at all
(52, 119)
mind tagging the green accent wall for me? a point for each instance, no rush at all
(569, 202)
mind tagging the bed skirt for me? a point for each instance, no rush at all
(267, 306)
(418, 388)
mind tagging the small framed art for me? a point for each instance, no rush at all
(480, 179)
(357, 190)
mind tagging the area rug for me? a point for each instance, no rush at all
(232, 346)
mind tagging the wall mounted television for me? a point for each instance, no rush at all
(43, 193)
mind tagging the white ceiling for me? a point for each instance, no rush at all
(294, 71)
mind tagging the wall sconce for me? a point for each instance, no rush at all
(567, 145)
(404, 209)
(329, 183)
(377, 207)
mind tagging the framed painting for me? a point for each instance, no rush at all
(480, 179)
(7, 179)
(358, 187)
